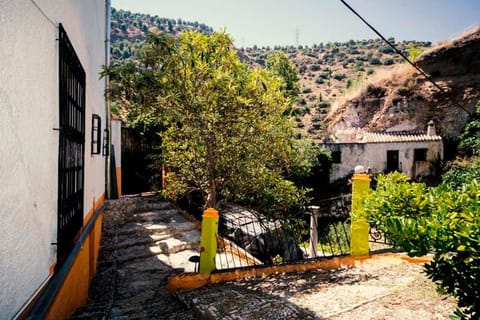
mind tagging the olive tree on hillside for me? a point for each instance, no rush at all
(282, 67)
(225, 132)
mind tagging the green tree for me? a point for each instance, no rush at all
(441, 219)
(225, 133)
(414, 51)
(282, 67)
(470, 138)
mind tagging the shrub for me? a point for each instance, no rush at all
(315, 67)
(443, 220)
(470, 138)
(307, 90)
(339, 76)
(323, 104)
(388, 62)
(375, 61)
(458, 176)
(319, 80)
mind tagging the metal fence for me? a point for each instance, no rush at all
(248, 238)
(330, 227)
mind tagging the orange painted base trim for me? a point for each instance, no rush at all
(52, 267)
(73, 292)
(118, 171)
(195, 280)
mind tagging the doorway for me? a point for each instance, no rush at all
(392, 161)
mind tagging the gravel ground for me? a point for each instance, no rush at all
(385, 287)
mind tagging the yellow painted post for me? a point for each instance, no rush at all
(360, 227)
(208, 242)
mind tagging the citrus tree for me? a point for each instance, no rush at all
(225, 132)
(442, 220)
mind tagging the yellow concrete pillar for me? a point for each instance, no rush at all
(360, 227)
(208, 242)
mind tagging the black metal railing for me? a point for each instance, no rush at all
(248, 238)
(330, 227)
(71, 146)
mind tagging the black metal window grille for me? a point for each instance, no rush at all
(106, 137)
(71, 146)
(96, 134)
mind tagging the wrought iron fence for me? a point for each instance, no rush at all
(248, 238)
(330, 227)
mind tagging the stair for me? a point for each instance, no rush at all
(144, 240)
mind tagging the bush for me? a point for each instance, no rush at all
(307, 90)
(458, 176)
(388, 62)
(323, 104)
(339, 76)
(443, 220)
(315, 67)
(470, 138)
(319, 80)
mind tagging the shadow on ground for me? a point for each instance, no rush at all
(144, 241)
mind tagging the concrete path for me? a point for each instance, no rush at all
(144, 241)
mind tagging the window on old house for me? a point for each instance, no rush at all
(420, 154)
(336, 157)
(96, 134)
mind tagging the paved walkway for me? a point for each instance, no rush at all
(144, 241)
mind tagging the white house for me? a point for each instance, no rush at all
(54, 146)
(410, 152)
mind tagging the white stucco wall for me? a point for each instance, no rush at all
(116, 141)
(374, 155)
(28, 143)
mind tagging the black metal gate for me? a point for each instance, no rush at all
(71, 146)
(138, 152)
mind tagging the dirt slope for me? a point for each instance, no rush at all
(402, 99)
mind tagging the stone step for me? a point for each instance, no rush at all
(151, 206)
(152, 216)
(176, 223)
(136, 240)
(184, 240)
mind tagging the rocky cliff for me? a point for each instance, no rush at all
(402, 99)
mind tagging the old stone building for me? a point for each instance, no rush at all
(410, 152)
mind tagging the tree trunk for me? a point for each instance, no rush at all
(212, 188)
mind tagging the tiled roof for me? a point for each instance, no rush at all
(357, 135)
(404, 136)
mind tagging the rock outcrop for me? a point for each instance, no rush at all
(404, 100)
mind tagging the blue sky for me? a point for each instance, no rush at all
(272, 22)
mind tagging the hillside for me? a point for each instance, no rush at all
(402, 99)
(331, 72)
(336, 78)
(129, 29)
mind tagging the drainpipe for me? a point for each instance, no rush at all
(107, 103)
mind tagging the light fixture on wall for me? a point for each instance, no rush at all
(96, 133)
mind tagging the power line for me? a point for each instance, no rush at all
(43, 13)
(428, 77)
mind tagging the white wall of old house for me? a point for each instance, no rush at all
(29, 145)
(374, 156)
